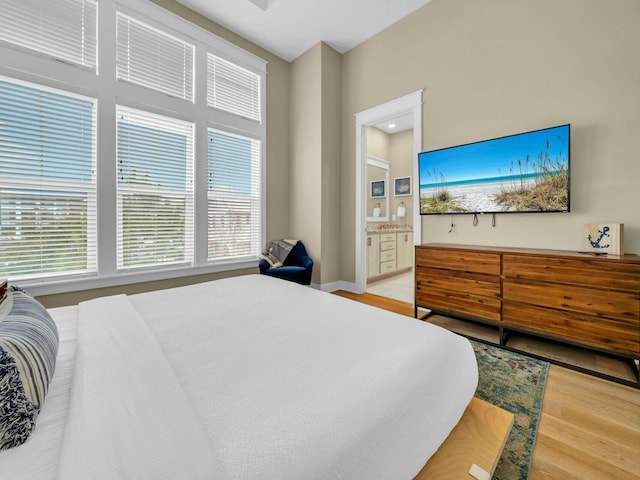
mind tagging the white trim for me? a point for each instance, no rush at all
(417, 148)
(378, 162)
(410, 103)
(39, 288)
(334, 286)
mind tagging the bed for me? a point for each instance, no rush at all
(244, 378)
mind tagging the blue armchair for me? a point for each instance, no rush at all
(297, 266)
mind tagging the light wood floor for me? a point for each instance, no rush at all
(589, 428)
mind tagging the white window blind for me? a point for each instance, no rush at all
(47, 181)
(63, 29)
(155, 190)
(234, 221)
(154, 59)
(232, 88)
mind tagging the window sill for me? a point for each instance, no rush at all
(50, 286)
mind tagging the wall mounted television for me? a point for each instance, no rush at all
(522, 173)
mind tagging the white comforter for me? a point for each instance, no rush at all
(257, 378)
(129, 417)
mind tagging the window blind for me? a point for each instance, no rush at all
(155, 189)
(234, 221)
(47, 181)
(232, 88)
(63, 29)
(154, 59)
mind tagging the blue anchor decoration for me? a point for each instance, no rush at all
(603, 233)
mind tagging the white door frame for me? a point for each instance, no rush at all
(410, 103)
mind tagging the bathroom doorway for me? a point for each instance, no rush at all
(387, 199)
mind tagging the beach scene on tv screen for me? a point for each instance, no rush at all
(528, 172)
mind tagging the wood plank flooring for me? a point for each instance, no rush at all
(479, 437)
(589, 428)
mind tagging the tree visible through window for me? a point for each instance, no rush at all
(47, 181)
(155, 189)
(233, 195)
(86, 203)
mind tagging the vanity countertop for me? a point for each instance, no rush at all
(388, 229)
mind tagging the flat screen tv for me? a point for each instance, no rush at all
(527, 172)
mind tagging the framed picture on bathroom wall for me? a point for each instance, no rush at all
(402, 186)
(378, 189)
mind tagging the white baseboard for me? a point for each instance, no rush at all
(338, 285)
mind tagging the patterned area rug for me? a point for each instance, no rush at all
(516, 383)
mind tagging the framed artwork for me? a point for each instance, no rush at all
(402, 186)
(378, 189)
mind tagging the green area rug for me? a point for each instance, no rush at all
(515, 383)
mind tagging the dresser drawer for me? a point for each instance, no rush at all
(605, 274)
(455, 259)
(458, 303)
(604, 333)
(472, 284)
(622, 305)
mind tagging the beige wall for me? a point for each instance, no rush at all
(315, 190)
(305, 180)
(397, 149)
(378, 144)
(497, 67)
(401, 157)
(331, 161)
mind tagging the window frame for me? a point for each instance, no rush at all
(54, 187)
(185, 193)
(109, 91)
(259, 177)
(138, 27)
(55, 56)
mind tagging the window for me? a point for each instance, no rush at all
(233, 193)
(63, 29)
(155, 189)
(151, 58)
(232, 88)
(125, 173)
(47, 181)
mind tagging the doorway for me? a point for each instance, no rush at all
(399, 194)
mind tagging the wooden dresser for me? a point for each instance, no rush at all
(580, 299)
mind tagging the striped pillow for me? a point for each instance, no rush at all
(28, 349)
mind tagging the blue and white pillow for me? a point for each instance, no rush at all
(28, 350)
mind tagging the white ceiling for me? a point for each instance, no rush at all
(289, 28)
(396, 125)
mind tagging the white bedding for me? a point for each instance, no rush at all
(281, 381)
(129, 417)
